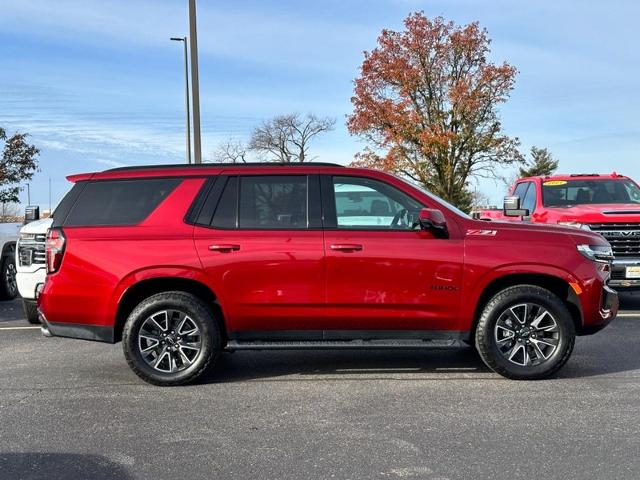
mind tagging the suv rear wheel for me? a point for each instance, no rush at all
(171, 338)
(525, 332)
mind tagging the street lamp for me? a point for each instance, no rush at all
(195, 83)
(186, 95)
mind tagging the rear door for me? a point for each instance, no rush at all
(260, 241)
(382, 272)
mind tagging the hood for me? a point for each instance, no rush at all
(599, 213)
(528, 229)
(39, 226)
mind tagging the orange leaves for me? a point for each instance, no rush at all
(428, 97)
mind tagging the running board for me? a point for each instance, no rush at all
(342, 344)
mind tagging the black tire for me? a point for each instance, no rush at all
(487, 342)
(200, 313)
(8, 285)
(30, 308)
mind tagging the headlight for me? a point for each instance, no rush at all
(572, 223)
(597, 253)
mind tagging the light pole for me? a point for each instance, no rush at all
(186, 95)
(195, 85)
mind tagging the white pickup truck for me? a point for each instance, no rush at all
(8, 238)
(31, 264)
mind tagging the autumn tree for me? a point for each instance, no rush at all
(19, 163)
(231, 151)
(541, 163)
(426, 101)
(286, 138)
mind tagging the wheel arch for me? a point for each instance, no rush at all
(8, 249)
(142, 289)
(554, 284)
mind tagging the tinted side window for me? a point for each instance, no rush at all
(226, 213)
(521, 190)
(529, 201)
(119, 202)
(277, 201)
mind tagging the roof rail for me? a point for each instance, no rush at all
(228, 165)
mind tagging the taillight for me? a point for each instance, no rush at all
(55, 249)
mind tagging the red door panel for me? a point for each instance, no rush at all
(266, 280)
(394, 280)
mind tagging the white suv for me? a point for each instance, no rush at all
(31, 264)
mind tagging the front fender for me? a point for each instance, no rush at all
(476, 285)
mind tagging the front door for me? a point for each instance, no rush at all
(261, 246)
(383, 273)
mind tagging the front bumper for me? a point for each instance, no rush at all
(608, 310)
(619, 279)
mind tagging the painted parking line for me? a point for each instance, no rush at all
(629, 314)
(19, 328)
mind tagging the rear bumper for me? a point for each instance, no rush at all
(84, 332)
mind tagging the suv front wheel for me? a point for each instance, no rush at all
(171, 338)
(525, 332)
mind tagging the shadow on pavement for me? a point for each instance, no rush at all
(242, 366)
(11, 310)
(630, 300)
(592, 356)
(63, 466)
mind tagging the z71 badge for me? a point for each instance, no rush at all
(484, 233)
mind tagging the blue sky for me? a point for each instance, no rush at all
(98, 83)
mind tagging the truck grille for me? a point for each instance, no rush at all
(32, 251)
(623, 237)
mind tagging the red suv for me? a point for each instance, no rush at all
(183, 262)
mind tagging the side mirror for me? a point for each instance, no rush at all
(511, 207)
(31, 213)
(433, 220)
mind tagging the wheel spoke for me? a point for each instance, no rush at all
(520, 320)
(166, 321)
(184, 357)
(551, 342)
(164, 352)
(191, 346)
(514, 351)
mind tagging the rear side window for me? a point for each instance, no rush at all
(119, 202)
(278, 202)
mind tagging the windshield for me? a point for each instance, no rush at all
(565, 193)
(442, 202)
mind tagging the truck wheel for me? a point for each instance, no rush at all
(8, 285)
(30, 308)
(525, 333)
(171, 338)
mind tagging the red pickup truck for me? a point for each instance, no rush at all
(607, 204)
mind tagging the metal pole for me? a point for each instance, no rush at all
(186, 99)
(28, 194)
(195, 87)
(49, 196)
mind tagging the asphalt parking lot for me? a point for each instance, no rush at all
(72, 409)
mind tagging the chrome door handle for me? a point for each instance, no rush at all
(346, 247)
(226, 247)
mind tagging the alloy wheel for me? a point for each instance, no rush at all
(527, 334)
(170, 341)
